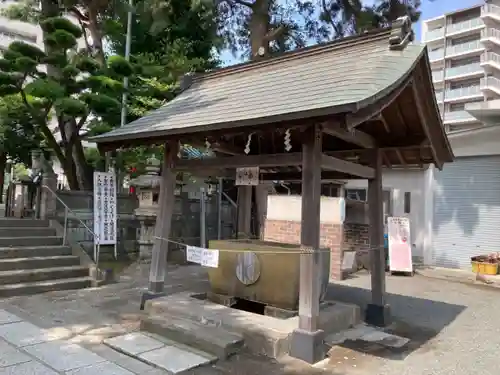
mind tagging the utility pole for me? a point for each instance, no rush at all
(128, 42)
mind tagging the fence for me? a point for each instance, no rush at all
(186, 221)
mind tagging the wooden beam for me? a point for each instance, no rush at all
(376, 311)
(242, 161)
(334, 164)
(422, 114)
(399, 154)
(310, 231)
(327, 176)
(373, 110)
(163, 224)
(381, 118)
(353, 136)
(385, 160)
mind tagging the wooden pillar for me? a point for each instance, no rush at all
(158, 266)
(307, 340)
(261, 194)
(377, 312)
(245, 211)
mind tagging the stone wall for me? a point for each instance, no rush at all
(330, 237)
(185, 222)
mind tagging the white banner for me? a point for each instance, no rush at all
(105, 208)
(205, 257)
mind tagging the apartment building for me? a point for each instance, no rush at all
(455, 213)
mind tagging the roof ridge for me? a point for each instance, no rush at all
(298, 53)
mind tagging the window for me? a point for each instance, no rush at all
(356, 194)
(407, 202)
(387, 205)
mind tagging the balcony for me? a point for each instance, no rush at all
(464, 70)
(491, 59)
(491, 11)
(434, 34)
(491, 84)
(437, 54)
(458, 116)
(464, 26)
(464, 48)
(463, 93)
(437, 76)
(439, 96)
(490, 36)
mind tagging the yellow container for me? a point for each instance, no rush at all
(484, 268)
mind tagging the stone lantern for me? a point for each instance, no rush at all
(148, 191)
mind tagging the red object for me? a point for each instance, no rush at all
(131, 190)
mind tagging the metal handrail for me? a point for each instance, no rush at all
(97, 246)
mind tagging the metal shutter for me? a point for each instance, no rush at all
(466, 211)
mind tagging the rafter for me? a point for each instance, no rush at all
(354, 136)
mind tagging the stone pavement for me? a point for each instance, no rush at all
(453, 327)
(27, 349)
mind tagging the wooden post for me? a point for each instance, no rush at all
(245, 210)
(377, 312)
(307, 340)
(158, 266)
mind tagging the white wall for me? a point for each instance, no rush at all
(415, 182)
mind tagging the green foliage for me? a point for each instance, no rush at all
(120, 66)
(25, 49)
(59, 24)
(71, 107)
(45, 88)
(60, 39)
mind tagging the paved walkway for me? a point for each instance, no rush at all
(454, 327)
(27, 349)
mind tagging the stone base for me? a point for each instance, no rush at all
(147, 296)
(307, 346)
(276, 312)
(377, 315)
(221, 299)
(262, 334)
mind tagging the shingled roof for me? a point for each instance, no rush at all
(342, 76)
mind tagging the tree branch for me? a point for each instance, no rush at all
(80, 123)
(45, 129)
(275, 33)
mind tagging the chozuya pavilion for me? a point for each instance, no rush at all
(350, 108)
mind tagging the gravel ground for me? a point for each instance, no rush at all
(453, 326)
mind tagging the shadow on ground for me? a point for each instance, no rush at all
(417, 319)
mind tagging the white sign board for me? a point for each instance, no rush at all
(105, 208)
(398, 229)
(205, 257)
(247, 176)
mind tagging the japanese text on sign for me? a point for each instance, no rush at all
(105, 207)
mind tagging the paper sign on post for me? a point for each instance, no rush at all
(210, 258)
(194, 254)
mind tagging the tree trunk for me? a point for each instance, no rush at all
(96, 35)
(3, 164)
(259, 26)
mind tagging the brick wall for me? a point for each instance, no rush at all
(330, 236)
(356, 237)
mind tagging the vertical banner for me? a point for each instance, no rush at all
(105, 208)
(400, 259)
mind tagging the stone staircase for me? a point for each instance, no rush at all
(34, 260)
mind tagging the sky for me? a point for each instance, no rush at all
(429, 9)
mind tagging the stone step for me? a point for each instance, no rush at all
(173, 357)
(42, 274)
(33, 251)
(11, 290)
(208, 338)
(30, 241)
(29, 223)
(10, 264)
(27, 232)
